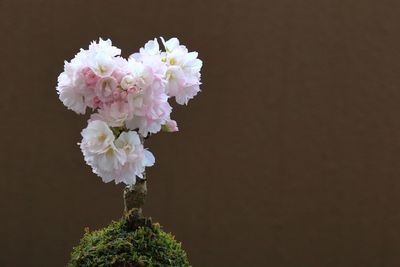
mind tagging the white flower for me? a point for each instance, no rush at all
(71, 94)
(142, 75)
(137, 158)
(151, 57)
(151, 48)
(105, 47)
(97, 137)
(171, 44)
(183, 71)
(100, 151)
(191, 66)
(119, 160)
(127, 82)
(186, 93)
(175, 80)
(107, 162)
(114, 115)
(102, 65)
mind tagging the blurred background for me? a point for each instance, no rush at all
(288, 157)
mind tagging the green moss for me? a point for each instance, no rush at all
(132, 241)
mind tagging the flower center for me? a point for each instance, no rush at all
(169, 76)
(110, 152)
(102, 138)
(102, 69)
(128, 147)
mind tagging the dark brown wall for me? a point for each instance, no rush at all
(289, 156)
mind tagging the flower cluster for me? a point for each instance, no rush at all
(129, 100)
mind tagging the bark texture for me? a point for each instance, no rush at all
(135, 195)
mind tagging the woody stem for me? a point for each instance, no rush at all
(135, 195)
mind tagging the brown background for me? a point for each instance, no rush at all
(289, 156)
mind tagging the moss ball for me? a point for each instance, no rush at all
(132, 241)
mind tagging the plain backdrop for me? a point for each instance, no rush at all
(288, 157)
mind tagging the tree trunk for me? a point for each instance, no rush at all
(135, 195)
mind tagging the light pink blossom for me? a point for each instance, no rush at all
(105, 88)
(183, 71)
(137, 158)
(127, 97)
(172, 126)
(114, 114)
(150, 110)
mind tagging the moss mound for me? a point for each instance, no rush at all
(133, 241)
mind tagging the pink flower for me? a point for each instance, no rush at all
(75, 85)
(90, 77)
(72, 88)
(150, 110)
(105, 88)
(127, 94)
(71, 94)
(172, 126)
(114, 114)
(97, 102)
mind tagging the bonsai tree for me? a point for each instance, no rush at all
(129, 101)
